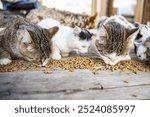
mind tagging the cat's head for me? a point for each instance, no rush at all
(82, 40)
(115, 42)
(35, 44)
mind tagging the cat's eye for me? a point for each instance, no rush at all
(139, 56)
(25, 44)
(30, 49)
(83, 46)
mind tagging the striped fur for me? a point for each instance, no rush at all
(115, 42)
(22, 39)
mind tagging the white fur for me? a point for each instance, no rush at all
(5, 61)
(1, 29)
(141, 52)
(65, 40)
(113, 59)
(145, 32)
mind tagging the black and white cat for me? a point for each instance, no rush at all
(140, 47)
(67, 39)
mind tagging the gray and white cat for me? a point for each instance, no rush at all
(67, 39)
(22, 39)
(115, 41)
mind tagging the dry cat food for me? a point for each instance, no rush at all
(72, 63)
(18, 65)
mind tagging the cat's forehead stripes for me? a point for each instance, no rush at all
(85, 35)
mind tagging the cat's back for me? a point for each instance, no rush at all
(63, 34)
(118, 19)
(48, 23)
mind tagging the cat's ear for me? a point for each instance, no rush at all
(51, 32)
(132, 33)
(24, 36)
(76, 30)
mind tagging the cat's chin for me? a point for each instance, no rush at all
(111, 62)
(121, 58)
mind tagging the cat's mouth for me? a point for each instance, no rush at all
(114, 60)
(41, 62)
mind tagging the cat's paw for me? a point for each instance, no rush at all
(5, 61)
(56, 56)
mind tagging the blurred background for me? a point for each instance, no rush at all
(133, 10)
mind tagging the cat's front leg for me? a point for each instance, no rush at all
(4, 58)
(56, 53)
(5, 61)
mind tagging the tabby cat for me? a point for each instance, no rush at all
(115, 42)
(64, 17)
(22, 39)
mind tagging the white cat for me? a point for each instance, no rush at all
(67, 39)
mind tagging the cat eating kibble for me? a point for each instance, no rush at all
(115, 41)
(67, 39)
(22, 39)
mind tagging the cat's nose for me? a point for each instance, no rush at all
(144, 60)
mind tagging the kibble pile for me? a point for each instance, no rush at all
(72, 63)
(18, 65)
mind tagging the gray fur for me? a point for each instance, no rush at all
(14, 43)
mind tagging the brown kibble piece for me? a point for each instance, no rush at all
(77, 62)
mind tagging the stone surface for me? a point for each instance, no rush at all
(79, 84)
